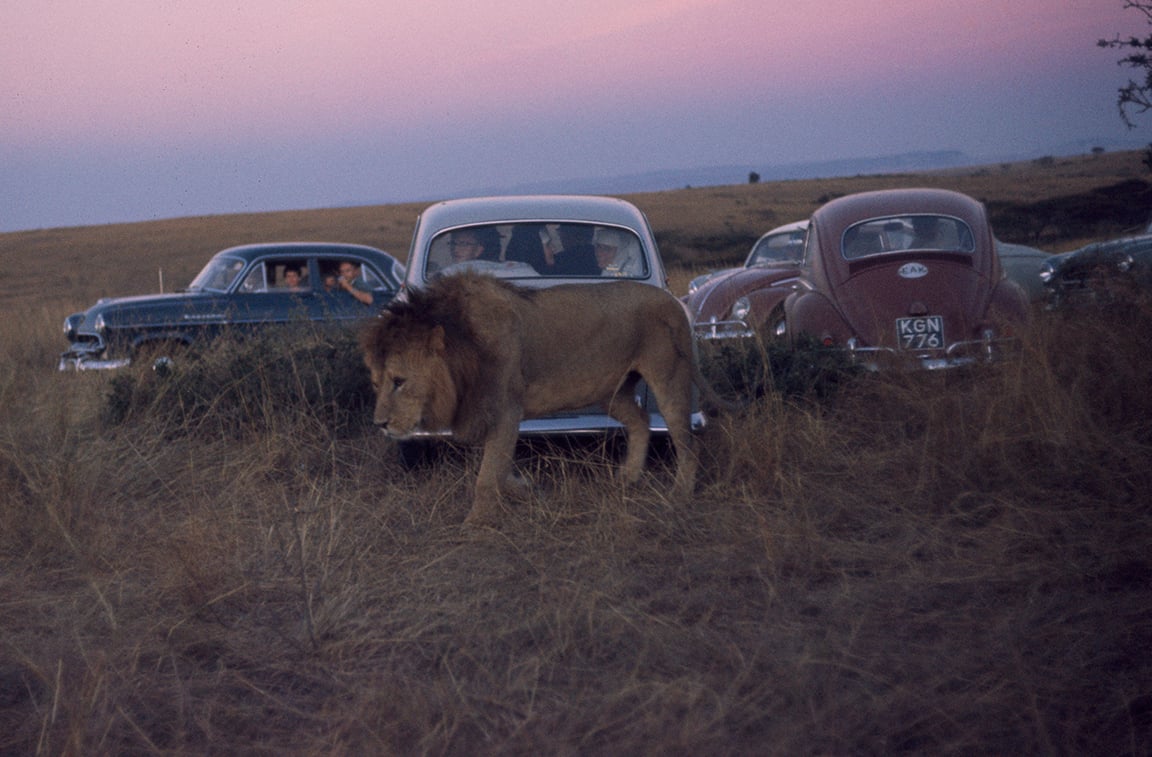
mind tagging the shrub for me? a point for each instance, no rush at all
(251, 385)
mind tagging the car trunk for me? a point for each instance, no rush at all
(919, 306)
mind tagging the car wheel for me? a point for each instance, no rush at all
(160, 356)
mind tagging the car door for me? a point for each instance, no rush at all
(264, 298)
(332, 302)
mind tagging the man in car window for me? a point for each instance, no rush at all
(616, 253)
(352, 281)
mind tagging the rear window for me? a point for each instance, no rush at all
(539, 250)
(785, 247)
(922, 232)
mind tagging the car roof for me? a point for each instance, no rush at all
(249, 252)
(847, 210)
(1138, 242)
(786, 228)
(513, 208)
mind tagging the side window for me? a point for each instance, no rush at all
(371, 277)
(329, 271)
(256, 280)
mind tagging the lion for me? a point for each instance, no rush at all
(475, 355)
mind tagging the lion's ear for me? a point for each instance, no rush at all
(436, 339)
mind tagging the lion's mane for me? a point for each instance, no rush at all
(465, 307)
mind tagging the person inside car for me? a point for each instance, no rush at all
(475, 244)
(292, 280)
(352, 281)
(616, 253)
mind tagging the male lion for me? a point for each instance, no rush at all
(475, 355)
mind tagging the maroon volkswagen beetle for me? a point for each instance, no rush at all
(749, 301)
(905, 277)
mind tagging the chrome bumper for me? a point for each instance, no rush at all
(714, 329)
(956, 355)
(88, 360)
(576, 424)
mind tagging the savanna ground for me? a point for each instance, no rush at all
(235, 562)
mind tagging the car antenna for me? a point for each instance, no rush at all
(160, 271)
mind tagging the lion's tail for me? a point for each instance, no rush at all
(711, 396)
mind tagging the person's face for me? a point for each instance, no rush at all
(348, 271)
(465, 246)
(291, 278)
(605, 254)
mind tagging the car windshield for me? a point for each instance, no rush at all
(537, 249)
(785, 247)
(218, 275)
(903, 233)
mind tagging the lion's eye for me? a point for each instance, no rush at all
(397, 383)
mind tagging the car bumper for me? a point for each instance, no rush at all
(957, 355)
(82, 359)
(716, 330)
(576, 424)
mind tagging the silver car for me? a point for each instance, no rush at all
(542, 241)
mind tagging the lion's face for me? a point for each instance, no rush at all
(414, 389)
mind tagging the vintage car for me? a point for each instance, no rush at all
(748, 301)
(540, 241)
(1023, 264)
(1100, 274)
(240, 289)
(905, 278)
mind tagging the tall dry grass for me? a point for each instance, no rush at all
(946, 563)
(922, 563)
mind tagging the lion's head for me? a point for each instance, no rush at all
(414, 387)
(426, 365)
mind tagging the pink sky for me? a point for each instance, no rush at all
(571, 87)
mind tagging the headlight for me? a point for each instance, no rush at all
(98, 325)
(741, 308)
(1124, 264)
(72, 325)
(1047, 271)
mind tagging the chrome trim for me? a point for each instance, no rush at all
(582, 424)
(70, 362)
(956, 355)
(716, 329)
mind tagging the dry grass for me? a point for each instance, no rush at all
(951, 563)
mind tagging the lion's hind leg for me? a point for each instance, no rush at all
(624, 409)
(674, 398)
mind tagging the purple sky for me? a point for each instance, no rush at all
(120, 110)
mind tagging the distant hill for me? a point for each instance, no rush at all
(707, 176)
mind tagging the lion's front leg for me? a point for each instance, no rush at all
(495, 470)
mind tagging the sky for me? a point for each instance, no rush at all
(132, 110)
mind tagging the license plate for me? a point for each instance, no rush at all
(924, 333)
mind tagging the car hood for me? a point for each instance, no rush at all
(717, 294)
(145, 308)
(872, 299)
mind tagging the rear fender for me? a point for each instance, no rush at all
(811, 313)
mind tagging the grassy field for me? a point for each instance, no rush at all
(928, 564)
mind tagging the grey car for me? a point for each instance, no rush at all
(543, 241)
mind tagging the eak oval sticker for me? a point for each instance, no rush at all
(913, 271)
